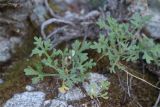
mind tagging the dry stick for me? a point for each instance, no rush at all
(51, 11)
(128, 89)
(58, 30)
(53, 20)
(139, 78)
(91, 15)
(128, 73)
(157, 101)
(66, 38)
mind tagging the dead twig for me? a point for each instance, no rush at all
(53, 14)
(157, 101)
(53, 20)
(59, 30)
(90, 16)
(138, 77)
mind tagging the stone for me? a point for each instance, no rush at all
(5, 46)
(29, 88)
(96, 80)
(153, 26)
(72, 94)
(59, 103)
(1, 81)
(152, 8)
(76, 93)
(26, 99)
(47, 103)
(38, 15)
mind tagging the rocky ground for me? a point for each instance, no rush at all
(18, 18)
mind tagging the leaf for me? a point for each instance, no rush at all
(30, 71)
(35, 80)
(76, 45)
(101, 45)
(102, 24)
(147, 58)
(37, 51)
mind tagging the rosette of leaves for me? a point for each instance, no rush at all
(69, 65)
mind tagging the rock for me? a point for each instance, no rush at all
(14, 42)
(29, 88)
(59, 103)
(77, 94)
(38, 15)
(13, 26)
(26, 99)
(153, 26)
(154, 5)
(152, 8)
(96, 80)
(72, 94)
(47, 103)
(1, 81)
(5, 46)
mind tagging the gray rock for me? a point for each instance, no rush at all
(154, 5)
(26, 99)
(5, 46)
(72, 94)
(152, 8)
(94, 79)
(14, 26)
(1, 81)
(38, 15)
(15, 41)
(29, 88)
(153, 26)
(76, 93)
(47, 103)
(59, 103)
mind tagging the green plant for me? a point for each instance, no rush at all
(69, 65)
(123, 43)
(104, 85)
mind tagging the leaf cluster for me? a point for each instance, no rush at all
(69, 65)
(123, 43)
